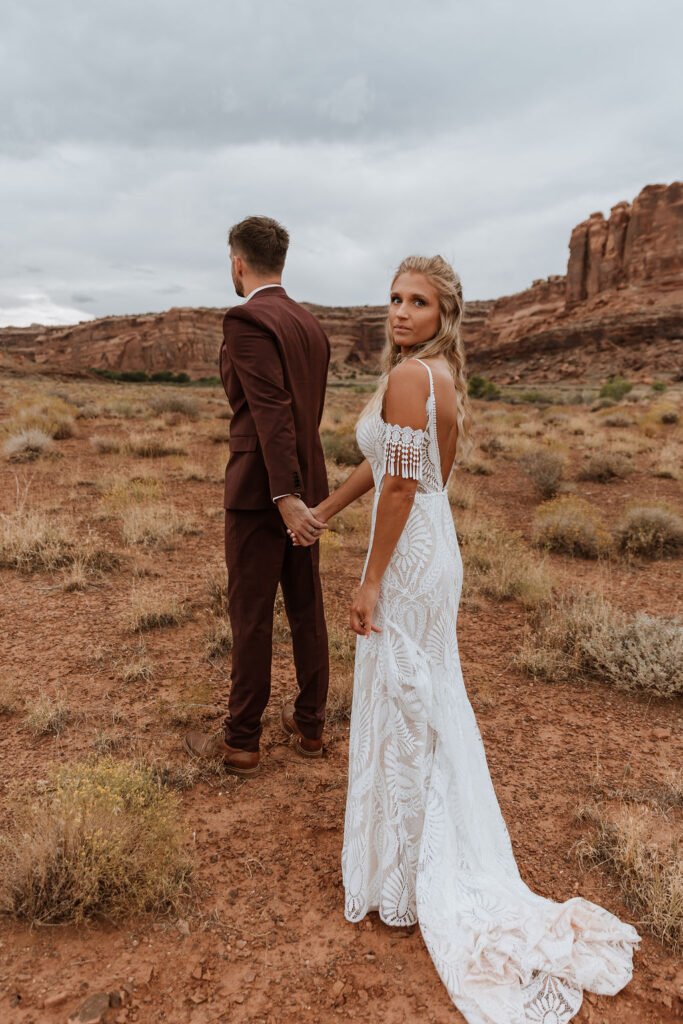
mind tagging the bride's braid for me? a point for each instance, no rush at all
(447, 341)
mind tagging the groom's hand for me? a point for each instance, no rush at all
(300, 520)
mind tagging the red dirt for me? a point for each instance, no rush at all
(265, 939)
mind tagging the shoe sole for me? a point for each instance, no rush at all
(297, 742)
(230, 769)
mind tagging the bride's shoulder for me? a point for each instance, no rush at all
(409, 373)
(407, 391)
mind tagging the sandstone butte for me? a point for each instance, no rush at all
(619, 308)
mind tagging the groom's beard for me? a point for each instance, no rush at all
(239, 287)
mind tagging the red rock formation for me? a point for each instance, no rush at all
(619, 307)
(638, 244)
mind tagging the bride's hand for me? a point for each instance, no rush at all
(363, 609)
(316, 510)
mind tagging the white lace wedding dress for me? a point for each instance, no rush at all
(424, 838)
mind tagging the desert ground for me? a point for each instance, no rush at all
(115, 640)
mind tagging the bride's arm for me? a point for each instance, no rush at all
(357, 483)
(406, 398)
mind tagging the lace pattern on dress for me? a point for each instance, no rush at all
(403, 451)
(424, 836)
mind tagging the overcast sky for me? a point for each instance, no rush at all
(133, 133)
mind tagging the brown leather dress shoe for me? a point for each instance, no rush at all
(210, 747)
(302, 745)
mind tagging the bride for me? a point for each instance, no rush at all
(424, 838)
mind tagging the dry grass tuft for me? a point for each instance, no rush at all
(342, 644)
(499, 564)
(122, 409)
(618, 418)
(583, 638)
(28, 444)
(136, 668)
(478, 468)
(105, 445)
(10, 695)
(570, 525)
(154, 609)
(545, 469)
(77, 577)
(132, 490)
(340, 446)
(461, 493)
(604, 466)
(492, 445)
(48, 715)
(218, 639)
(187, 774)
(154, 526)
(147, 446)
(31, 540)
(104, 839)
(175, 402)
(281, 631)
(217, 589)
(651, 531)
(668, 464)
(650, 874)
(350, 520)
(49, 414)
(194, 471)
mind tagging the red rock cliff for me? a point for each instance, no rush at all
(639, 244)
(619, 307)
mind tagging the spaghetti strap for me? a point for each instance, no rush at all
(429, 371)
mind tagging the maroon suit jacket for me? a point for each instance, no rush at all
(273, 365)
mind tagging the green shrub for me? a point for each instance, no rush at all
(659, 385)
(133, 376)
(615, 387)
(536, 397)
(481, 387)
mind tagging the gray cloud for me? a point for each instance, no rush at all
(135, 134)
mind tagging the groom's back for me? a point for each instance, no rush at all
(284, 343)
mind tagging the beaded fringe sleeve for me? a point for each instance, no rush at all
(403, 451)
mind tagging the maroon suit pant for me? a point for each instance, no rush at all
(259, 555)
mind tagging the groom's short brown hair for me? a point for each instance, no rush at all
(262, 242)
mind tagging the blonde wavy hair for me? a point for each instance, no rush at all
(447, 341)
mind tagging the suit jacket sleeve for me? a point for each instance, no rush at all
(256, 361)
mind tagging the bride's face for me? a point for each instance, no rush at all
(413, 309)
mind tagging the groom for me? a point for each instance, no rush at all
(273, 365)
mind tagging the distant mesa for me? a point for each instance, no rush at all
(619, 307)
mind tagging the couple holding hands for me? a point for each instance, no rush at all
(424, 838)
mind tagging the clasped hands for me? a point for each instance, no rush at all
(304, 527)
